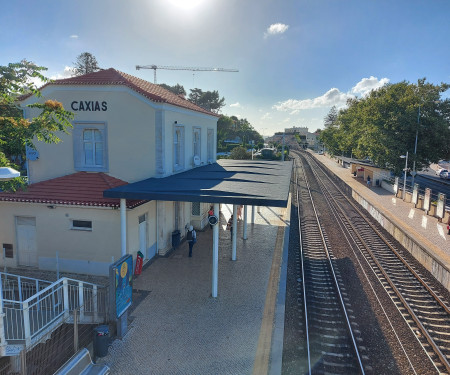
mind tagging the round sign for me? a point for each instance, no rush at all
(213, 220)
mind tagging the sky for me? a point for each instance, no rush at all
(296, 58)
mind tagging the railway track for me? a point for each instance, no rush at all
(330, 342)
(422, 308)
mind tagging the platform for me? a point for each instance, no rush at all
(180, 329)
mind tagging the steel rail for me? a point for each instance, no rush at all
(424, 331)
(327, 251)
(303, 270)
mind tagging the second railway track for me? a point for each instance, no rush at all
(409, 313)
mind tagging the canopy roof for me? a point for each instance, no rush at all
(247, 182)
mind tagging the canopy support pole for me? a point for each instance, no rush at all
(233, 251)
(245, 222)
(123, 226)
(215, 253)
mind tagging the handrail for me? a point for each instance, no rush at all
(60, 281)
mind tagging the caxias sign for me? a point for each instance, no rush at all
(89, 105)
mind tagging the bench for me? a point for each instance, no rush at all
(81, 364)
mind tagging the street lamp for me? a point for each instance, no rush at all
(413, 173)
(406, 170)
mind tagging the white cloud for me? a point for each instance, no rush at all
(266, 116)
(236, 105)
(366, 85)
(73, 36)
(276, 28)
(332, 97)
(67, 73)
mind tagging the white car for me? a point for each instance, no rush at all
(440, 170)
(444, 174)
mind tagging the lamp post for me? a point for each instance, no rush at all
(405, 170)
(413, 173)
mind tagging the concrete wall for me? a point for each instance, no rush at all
(79, 251)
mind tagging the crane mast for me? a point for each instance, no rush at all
(193, 68)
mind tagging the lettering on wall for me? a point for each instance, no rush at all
(89, 105)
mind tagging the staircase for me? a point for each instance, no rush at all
(31, 309)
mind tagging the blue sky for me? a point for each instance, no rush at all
(296, 58)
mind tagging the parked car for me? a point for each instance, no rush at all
(444, 174)
(440, 170)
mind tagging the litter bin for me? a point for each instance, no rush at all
(101, 341)
(176, 235)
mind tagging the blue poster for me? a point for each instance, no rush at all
(123, 284)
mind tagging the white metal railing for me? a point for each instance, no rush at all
(19, 288)
(26, 321)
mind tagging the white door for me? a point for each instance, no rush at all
(26, 241)
(143, 235)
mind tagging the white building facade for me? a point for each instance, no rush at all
(125, 130)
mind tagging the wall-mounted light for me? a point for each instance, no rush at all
(176, 122)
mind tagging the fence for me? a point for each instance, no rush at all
(28, 318)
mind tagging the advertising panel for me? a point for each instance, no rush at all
(121, 277)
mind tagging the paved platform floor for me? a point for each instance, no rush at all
(180, 329)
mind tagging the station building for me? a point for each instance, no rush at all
(125, 130)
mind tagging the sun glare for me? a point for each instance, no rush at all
(186, 4)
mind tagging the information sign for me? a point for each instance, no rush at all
(121, 278)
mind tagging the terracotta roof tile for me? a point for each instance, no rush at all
(80, 189)
(151, 91)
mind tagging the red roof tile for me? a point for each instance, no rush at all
(80, 189)
(150, 90)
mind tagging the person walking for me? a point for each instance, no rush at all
(191, 238)
(368, 182)
(230, 226)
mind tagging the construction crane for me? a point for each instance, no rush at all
(194, 69)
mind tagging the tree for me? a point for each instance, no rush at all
(209, 100)
(17, 132)
(86, 63)
(240, 153)
(383, 125)
(177, 89)
(331, 118)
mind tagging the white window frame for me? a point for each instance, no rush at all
(178, 148)
(79, 146)
(73, 227)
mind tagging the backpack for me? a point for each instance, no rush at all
(189, 235)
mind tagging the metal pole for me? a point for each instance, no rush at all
(75, 330)
(245, 222)
(233, 246)
(415, 148)
(404, 180)
(215, 260)
(123, 225)
(253, 214)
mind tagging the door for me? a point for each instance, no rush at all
(26, 241)
(143, 235)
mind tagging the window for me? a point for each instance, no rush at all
(196, 208)
(81, 225)
(90, 147)
(197, 142)
(178, 148)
